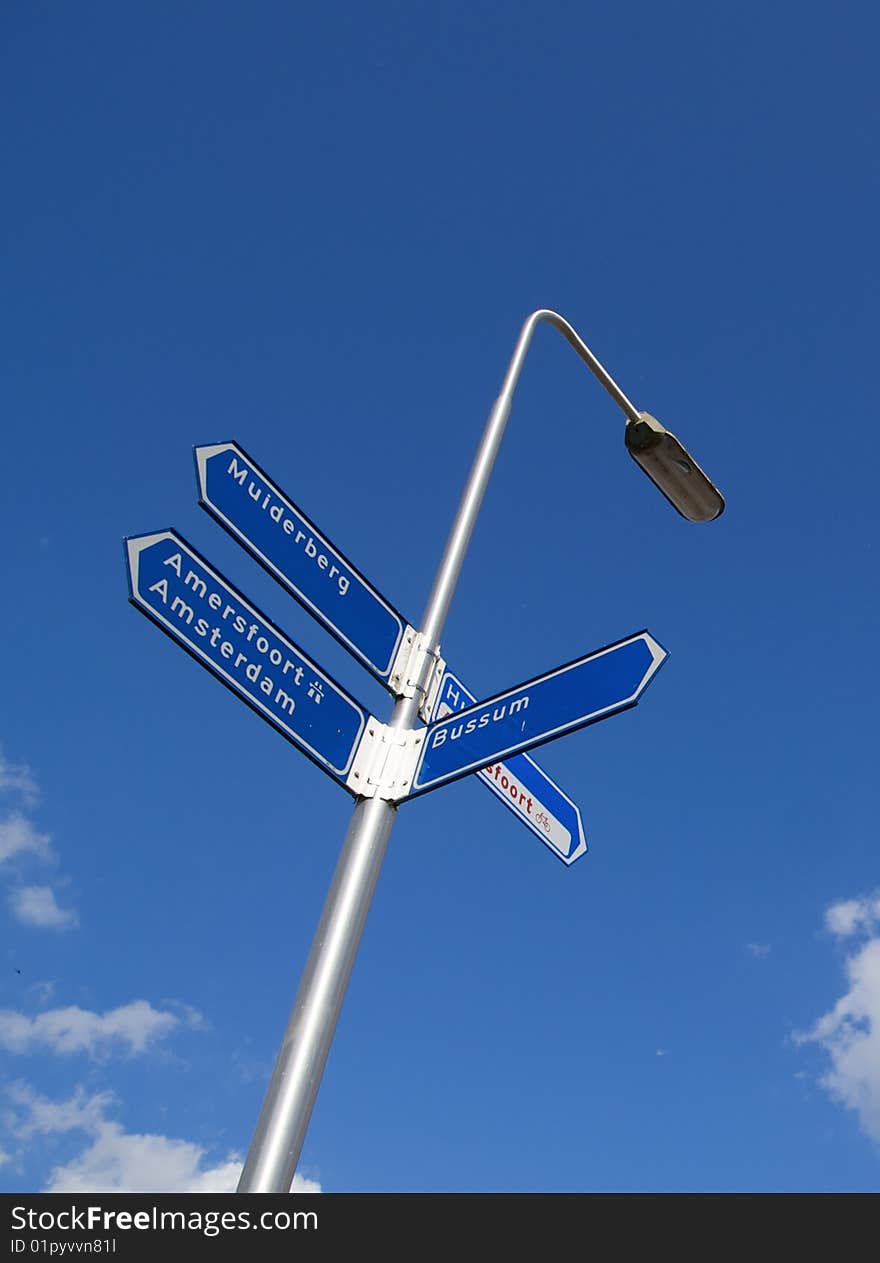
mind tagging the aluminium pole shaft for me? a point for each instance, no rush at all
(296, 1077)
(293, 1087)
(287, 1108)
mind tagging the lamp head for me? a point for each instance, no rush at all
(672, 469)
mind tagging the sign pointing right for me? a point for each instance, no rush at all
(522, 786)
(583, 692)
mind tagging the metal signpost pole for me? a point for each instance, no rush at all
(287, 1107)
(243, 499)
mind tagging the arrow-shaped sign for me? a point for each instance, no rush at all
(255, 511)
(245, 501)
(199, 609)
(522, 786)
(592, 688)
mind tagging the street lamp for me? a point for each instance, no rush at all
(672, 468)
(281, 1127)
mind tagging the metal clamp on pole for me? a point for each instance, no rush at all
(432, 687)
(385, 761)
(410, 667)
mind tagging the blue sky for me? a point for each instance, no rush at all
(317, 231)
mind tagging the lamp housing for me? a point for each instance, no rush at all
(672, 469)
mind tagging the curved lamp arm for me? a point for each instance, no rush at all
(571, 336)
(658, 452)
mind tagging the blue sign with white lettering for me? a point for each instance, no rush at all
(176, 588)
(247, 503)
(252, 508)
(522, 786)
(592, 688)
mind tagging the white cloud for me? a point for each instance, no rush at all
(851, 915)
(192, 1017)
(758, 949)
(37, 906)
(303, 1185)
(850, 1032)
(116, 1161)
(122, 1162)
(18, 836)
(45, 1117)
(16, 778)
(31, 905)
(72, 1030)
(41, 991)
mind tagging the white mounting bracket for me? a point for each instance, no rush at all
(409, 666)
(385, 761)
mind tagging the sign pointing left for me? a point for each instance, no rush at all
(185, 597)
(244, 500)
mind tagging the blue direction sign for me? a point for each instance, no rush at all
(592, 688)
(241, 497)
(522, 786)
(184, 596)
